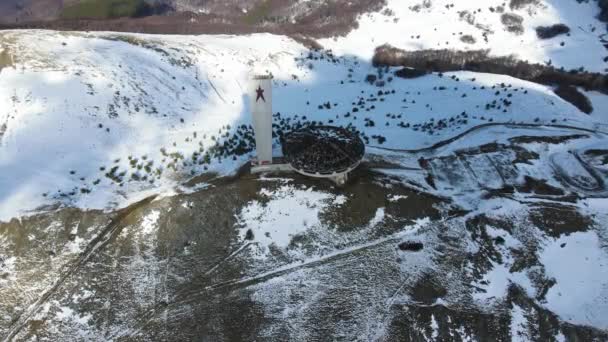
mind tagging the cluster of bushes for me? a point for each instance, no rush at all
(468, 39)
(410, 73)
(513, 22)
(548, 32)
(479, 61)
(519, 4)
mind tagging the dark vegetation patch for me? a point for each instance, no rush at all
(604, 10)
(467, 39)
(410, 73)
(513, 22)
(544, 325)
(488, 253)
(596, 152)
(601, 156)
(549, 140)
(548, 32)
(556, 219)
(576, 98)
(428, 289)
(519, 4)
(323, 18)
(501, 192)
(539, 187)
(424, 4)
(523, 156)
(259, 13)
(107, 9)
(453, 324)
(485, 148)
(479, 61)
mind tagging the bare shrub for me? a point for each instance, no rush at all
(319, 19)
(513, 22)
(467, 16)
(425, 4)
(547, 32)
(468, 39)
(519, 4)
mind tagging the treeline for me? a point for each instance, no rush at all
(110, 9)
(480, 61)
(604, 10)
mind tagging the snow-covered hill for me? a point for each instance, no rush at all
(101, 119)
(506, 28)
(76, 107)
(503, 182)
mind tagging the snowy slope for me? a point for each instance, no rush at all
(439, 24)
(83, 105)
(99, 120)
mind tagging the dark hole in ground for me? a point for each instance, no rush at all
(412, 246)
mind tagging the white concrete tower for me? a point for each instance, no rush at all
(260, 94)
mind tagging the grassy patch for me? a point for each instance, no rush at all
(6, 58)
(104, 9)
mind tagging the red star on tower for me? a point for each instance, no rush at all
(260, 94)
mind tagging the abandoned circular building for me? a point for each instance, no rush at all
(323, 151)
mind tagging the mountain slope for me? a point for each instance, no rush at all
(480, 213)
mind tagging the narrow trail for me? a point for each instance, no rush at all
(106, 235)
(481, 127)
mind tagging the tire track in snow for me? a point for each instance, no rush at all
(232, 255)
(216, 91)
(235, 284)
(145, 318)
(480, 127)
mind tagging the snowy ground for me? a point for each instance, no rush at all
(439, 24)
(303, 260)
(120, 136)
(512, 214)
